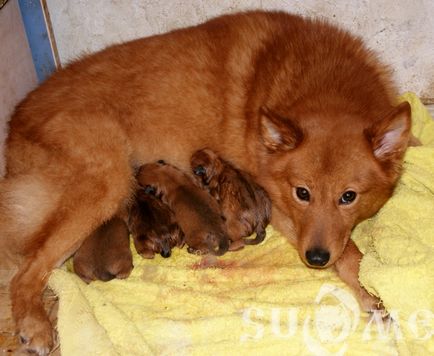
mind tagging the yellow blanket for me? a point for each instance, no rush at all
(262, 299)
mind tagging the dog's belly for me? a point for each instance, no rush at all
(174, 142)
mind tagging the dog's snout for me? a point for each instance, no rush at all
(166, 250)
(317, 257)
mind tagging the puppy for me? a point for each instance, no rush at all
(196, 212)
(153, 226)
(245, 205)
(105, 254)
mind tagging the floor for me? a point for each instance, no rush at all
(9, 344)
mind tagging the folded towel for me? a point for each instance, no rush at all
(263, 299)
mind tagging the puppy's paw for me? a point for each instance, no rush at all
(236, 245)
(36, 334)
(197, 251)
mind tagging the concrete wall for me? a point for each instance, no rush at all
(17, 73)
(401, 31)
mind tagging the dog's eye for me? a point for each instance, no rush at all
(199, 170)
(348, 197)
(302, 193)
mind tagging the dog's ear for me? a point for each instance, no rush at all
(389, 137)
(278, 133)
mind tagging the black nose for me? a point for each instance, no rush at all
(161, 161)
(166, 252)
(317, 257)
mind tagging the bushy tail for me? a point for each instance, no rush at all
(25, 203)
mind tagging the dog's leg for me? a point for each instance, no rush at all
(347, 267)
(88, 202)
(27, 286)
(414, 141)
(283, 224)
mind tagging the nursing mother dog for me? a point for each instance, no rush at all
(300, 105)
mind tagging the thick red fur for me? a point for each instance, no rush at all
(244, 204)
(296, 103)
(153, 226)
(195, 211)
(105, 254)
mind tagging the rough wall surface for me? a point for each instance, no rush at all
(17, 73)
(401, 31)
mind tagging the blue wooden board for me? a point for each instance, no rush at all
(38, 38)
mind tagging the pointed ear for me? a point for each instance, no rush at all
(278, 133)
(389, 137)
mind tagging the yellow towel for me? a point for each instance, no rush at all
(399, 261)
(262, 299)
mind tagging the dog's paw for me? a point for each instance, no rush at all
(36, 335)
(372, 304)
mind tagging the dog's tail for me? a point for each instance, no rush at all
(25, 203)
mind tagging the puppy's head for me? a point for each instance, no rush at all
(153, 225)
(206, 166)
(327, 172)
(158, 178)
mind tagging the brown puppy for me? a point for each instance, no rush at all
(196, 212)
(300, 104)
(245, 205)
(105, 254)
(153, 226)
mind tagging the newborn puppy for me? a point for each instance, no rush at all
(153, 226)
(245, 205)
(196, 212)
(105, 254)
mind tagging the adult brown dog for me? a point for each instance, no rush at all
(302, 106)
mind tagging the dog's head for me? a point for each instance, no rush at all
(158, 178)
(152, 225)
(329, 172)
(207, 167)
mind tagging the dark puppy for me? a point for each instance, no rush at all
(196, 212)
(153, 226)
(245, 205)
(105, 254)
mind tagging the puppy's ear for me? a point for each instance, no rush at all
(278, 133)
(389, 137)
